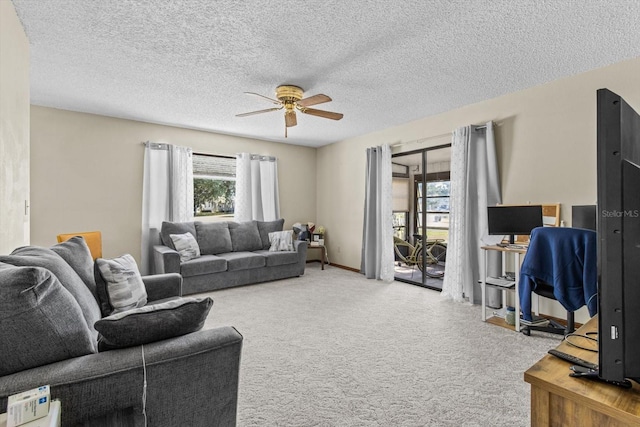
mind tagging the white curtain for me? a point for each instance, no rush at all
(377, 236)
(475, 184)
(256, 188)
(167, 193)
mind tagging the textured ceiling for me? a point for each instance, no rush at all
(384, 63)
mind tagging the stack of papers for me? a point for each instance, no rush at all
(536, 320)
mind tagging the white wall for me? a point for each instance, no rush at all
(86, 173)
(546, 142)
(14, 130)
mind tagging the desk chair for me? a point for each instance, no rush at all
(561, 264)
(93, 239)
(546, 290)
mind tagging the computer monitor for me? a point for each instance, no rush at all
(583, 216)
(514, 220)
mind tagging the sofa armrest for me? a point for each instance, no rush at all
(165, 260)
(161, 286)
(191, 380)
(301, 247)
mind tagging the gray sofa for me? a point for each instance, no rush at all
(231, 254)
(48, 306)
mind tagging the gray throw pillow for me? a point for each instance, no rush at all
(245, 236)
(153, 323)
(77, 254)
(213, 237)
(266, 227)
(35, 256)
(41, 321)
(124, 287)
(169, 228)
(186, 246)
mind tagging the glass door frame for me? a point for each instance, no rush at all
(423, 168)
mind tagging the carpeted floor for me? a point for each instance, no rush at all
(332, 348)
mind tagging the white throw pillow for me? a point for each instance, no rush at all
(281, 241)
(186, 245)
(125, 288)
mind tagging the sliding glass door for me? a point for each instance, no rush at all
(421, 189)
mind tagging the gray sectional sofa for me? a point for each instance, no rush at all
(231, 254)
(49, 306)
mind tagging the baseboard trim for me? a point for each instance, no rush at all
(344, 267)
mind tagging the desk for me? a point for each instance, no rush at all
(323, 253)
(484, 285)
(560, 400)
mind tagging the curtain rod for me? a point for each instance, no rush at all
(416, 141)
(156, 145)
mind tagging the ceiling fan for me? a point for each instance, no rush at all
(290, 98)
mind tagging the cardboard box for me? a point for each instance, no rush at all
(28, 406)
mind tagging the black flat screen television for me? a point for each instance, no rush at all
(513, 220)
(618, 231)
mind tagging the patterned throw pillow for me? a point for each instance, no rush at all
(281, 241)
(266, 227)
(124, 286)
(186, 245)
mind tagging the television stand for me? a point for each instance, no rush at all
(558, 399)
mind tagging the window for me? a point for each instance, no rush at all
(438, 190)
(214, 187)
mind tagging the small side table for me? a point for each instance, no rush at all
(323, 251)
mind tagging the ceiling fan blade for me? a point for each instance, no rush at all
(290, 119)
(275, 101)
(259, 112)
(321, 113)
(313, 100)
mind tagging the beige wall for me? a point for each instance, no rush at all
(546, 142)
(86, 173)
(14, 130)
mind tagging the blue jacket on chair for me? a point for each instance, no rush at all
(565, 258)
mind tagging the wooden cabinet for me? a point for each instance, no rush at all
(560, 400)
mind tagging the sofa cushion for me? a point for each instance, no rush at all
(266, 227)
(186, 246)
(41, 321)
(245, 236)
(213, 237)
(121, 283)
(279, 258)
(281, 241)
(77, 254)
(153, 323)
(169, 228)
(35, 256)
(203, 265)
(243, 260)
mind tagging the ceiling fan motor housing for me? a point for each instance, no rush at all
(289, 93)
